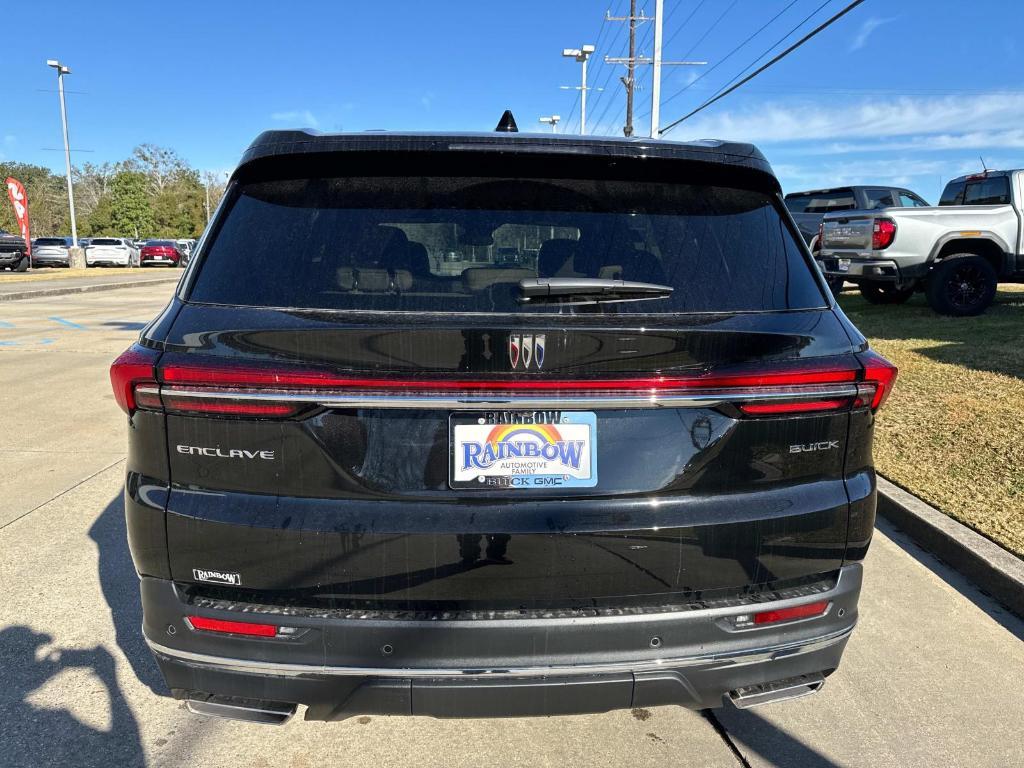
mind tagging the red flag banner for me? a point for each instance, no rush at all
(16, 192)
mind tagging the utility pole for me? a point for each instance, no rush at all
(61, 71)
(631, 61)
(659, 13)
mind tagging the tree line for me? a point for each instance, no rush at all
(152, 194)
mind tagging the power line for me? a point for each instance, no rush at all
(682, 26)
(763, 67)
(600, 59)
(710, 29)
(608, 75)
(772, 47)
(727, 56)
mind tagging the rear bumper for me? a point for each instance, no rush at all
(339, 667)
(869, 270)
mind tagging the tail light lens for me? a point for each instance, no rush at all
(791, 614)
(786, 388)
(882, 234)
(136, 366)
(879, 379)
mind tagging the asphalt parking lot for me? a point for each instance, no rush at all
(932, 676)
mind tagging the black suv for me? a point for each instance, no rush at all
(498, 424)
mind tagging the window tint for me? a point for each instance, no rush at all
(879, 198)
(105, 241)
(822, 202)
(908, 200)
(51, 241)
(953, 194)
(434, 244)
(991, 191)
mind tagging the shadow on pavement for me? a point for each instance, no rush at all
(1009, 622)
(120, 587)
(34, 736)
(769, 741)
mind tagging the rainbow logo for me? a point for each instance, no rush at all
(538, 442)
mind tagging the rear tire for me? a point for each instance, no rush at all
(885, 294)
(22, 265)
(962, 285)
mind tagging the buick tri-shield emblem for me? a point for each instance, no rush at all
(526, 347)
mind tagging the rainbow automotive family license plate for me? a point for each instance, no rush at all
(523, 449)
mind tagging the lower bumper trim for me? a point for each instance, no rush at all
(707, 661)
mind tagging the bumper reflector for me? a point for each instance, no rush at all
(789, 614)
(232, 627)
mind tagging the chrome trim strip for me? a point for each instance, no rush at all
(468, 402)
(713, 660)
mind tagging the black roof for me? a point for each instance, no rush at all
(299, 142)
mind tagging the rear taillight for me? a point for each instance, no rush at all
(878, 380)
(882, 234)
(792, 387)
(135, 367)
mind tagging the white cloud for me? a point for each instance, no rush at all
(869, 26)
(994, 117)
(303, 118)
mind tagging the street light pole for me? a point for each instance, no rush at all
(552, 120)
(659, 12)
(61, 71)
(581, 54)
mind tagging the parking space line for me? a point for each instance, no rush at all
(68, 323)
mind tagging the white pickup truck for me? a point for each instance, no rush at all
(956, 252)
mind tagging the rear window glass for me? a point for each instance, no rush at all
(993, 191)
(167, 243)
(105, 241)
(879, 198)
(51, 241)
(953, 194)
(822, 202)
(443, 244)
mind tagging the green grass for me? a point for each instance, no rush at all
(953, 431)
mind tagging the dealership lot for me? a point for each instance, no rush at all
(930, 676)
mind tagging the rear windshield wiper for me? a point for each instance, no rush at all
(588, 290)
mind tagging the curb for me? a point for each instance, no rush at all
(990, 567)
(59, 291)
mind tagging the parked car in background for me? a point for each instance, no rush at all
(13, 252)
(159, 252)
(610, 476)
(51, 251)
(955, 252)
(809, 208)
(109, 252)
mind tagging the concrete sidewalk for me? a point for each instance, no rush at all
(17, 287)
(931, 676)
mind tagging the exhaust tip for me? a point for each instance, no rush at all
(246, 710)
(777, 690)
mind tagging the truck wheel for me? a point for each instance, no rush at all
(885, 294)
(21, 265)
(962, 285)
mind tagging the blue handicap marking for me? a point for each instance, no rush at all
(68, 323)
(5, 324)
(8, 343)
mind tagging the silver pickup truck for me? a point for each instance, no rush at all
(955, 252)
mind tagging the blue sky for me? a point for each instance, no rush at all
(908, 92)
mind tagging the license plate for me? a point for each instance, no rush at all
(523, 450)
(843, 265)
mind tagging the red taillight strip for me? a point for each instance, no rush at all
(805, 611)
(134, 367)
(806, 406)
(214, 406)
(232, 627)
(254, 377)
